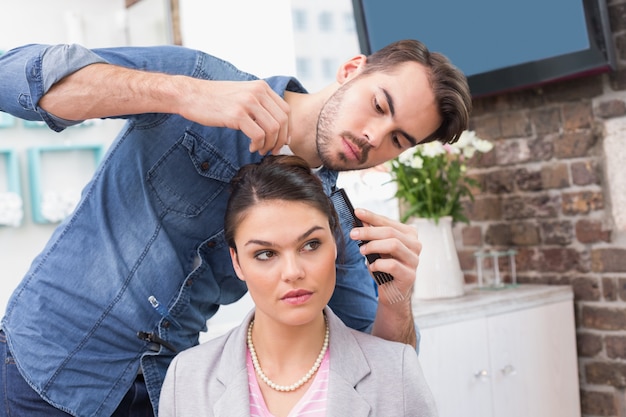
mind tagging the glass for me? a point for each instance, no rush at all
(488, 272)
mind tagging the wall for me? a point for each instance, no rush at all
(317, 24)
(256, 36)
(93, 23)
(553, 187)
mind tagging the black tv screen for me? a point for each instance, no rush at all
(500, 45)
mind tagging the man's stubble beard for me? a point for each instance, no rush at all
(324, 136)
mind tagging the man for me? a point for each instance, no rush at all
(131, 277)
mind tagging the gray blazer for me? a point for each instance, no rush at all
(368, 377)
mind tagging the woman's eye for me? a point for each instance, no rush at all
(312, 245)
(264, 255)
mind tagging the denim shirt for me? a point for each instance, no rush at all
(132, 276)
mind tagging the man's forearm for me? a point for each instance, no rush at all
(395, 322)
(104, 90)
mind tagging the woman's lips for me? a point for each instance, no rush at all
(297, 297)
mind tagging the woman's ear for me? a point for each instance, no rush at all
(351, 68)
(235, 260)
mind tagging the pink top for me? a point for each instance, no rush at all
(312, 404)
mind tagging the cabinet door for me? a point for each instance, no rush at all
(455, 360)
(534, 363)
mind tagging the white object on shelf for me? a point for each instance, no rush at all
(56, 205)
(11, 209)
(439, 273)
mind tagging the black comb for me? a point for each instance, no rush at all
(384, 280)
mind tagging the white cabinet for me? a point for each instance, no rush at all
(501, 353)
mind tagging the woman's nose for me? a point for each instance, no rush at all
(292, 269)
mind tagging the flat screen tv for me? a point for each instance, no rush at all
(500, 45)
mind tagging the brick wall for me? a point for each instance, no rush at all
(546, 191)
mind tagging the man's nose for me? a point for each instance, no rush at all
(376, 134)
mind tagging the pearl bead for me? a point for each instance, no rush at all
(301, 381)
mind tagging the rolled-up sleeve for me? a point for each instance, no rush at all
(30, 71)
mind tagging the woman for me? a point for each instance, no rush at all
(291, 355)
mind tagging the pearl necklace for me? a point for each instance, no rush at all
(301, 381)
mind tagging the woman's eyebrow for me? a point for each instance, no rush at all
(268, 243)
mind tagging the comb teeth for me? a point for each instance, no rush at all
(343, 206)
(388, 287)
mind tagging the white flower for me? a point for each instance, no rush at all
(469, 152)
(57, 205)
(451, 149)
(483, 145)
(411, 159)
(11, 212)
(469, 143)
(417, 162)
(466, 139)
(406, 157)
(432, 149)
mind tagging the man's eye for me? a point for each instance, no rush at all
(264, 255)
(400, 141)
(377, 106)
(395, 139)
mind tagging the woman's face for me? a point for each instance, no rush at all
(286, 255)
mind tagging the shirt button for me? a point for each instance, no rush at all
(166, 324)
(204, 166)
(189, 282)
(211, 244)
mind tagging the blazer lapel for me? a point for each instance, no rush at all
(348, 366)
(234, 401)
(343, 400)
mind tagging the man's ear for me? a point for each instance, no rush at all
(236, 266)
(351, 68)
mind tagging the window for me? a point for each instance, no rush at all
(303, 67)
(300, 20)
(326, 21)
(329, 68)
(349, 23)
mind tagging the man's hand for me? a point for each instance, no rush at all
(397, 244)
(399, 248)
(250, 106)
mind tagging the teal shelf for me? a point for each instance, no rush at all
(12, 174)
(39, 124)
(36, 173)
(12, 171)
(6, 120)
(34, 124)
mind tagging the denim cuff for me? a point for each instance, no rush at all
(55, 63)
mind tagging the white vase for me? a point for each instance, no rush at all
(439, 272)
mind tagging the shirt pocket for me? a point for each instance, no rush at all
(190, 176)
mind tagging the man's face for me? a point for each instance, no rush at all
(373, 118)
